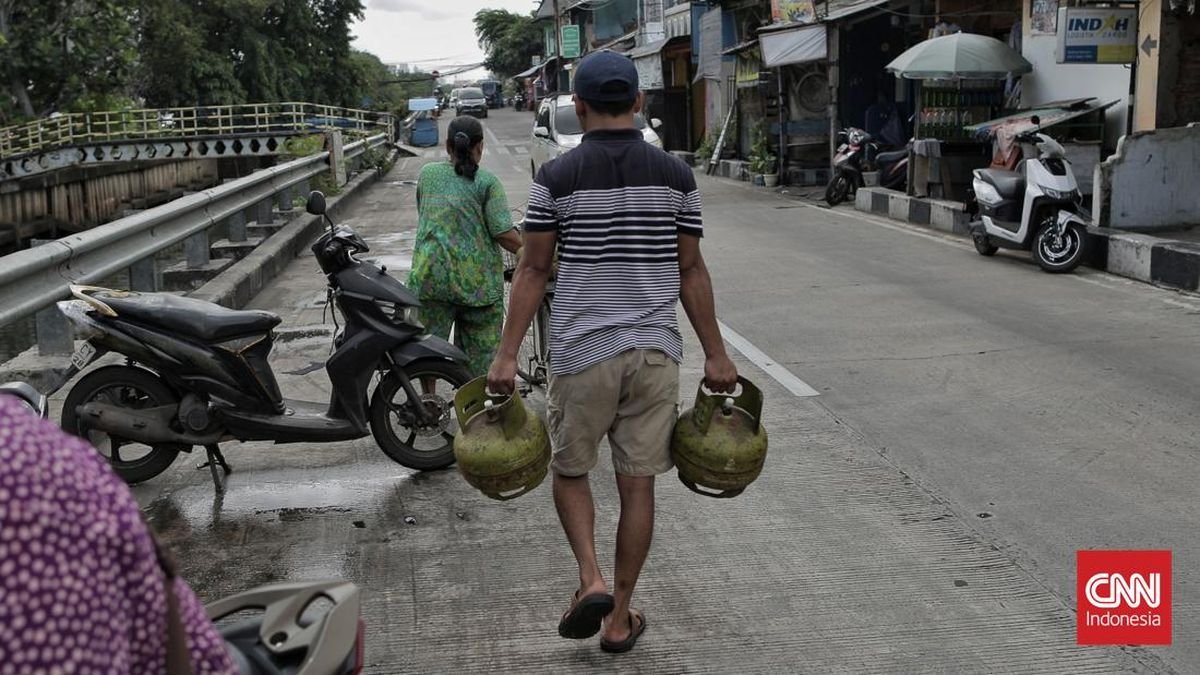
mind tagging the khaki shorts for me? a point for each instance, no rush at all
(632, 398)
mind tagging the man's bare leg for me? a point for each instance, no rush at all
(573, 500)
(634, 534)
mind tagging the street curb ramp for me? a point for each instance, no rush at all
(241, 282)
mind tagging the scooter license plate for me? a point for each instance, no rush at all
(83, 355)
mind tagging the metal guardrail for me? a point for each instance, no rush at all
(159, 123)
(33, 279)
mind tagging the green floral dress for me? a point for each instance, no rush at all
(458, 269)
(455, 256)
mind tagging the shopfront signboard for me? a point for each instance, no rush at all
(1097, 35)
(570, 41)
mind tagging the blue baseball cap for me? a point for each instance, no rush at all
(606, 76)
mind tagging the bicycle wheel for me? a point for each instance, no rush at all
(533, 357)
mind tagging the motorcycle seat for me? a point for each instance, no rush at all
(196, 318)
(1009, 184)
(891, 157)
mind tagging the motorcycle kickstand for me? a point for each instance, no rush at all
(215, 459)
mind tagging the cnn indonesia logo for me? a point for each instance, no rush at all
(1124, 597)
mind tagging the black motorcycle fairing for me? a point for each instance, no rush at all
(188, 365)
(363, 280)
(301, 421)
(350, 369)
(426, 347)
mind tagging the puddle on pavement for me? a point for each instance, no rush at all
(291, 496)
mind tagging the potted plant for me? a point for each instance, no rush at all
(762, 161)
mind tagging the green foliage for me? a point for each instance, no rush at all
(707, 145)
(206, 52)
(384, 89)
(509, 40)
(81, 55)
(302, 146)
(762, 159)
(53, 52)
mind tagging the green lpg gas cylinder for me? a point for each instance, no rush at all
(719, 445)
(501, 448)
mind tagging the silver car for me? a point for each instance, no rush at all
(556, 130)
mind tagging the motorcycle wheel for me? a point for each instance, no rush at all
(982, 246)
(128, 387)
(1055, 254)
(394, 420)
(837, 190)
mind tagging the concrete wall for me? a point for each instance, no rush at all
(1052, 81)
(1150, 183)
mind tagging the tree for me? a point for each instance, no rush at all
(509, 40)
(63, 55)
(383, 88)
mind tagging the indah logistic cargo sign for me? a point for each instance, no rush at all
(1097, 35)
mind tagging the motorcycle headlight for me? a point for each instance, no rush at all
(1059, 194)
(400, 313)
(987, 194)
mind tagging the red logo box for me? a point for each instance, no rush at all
(1123, 597)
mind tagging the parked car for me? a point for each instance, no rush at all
(471, 101)
(556, 130)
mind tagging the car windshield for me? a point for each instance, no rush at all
(566, 123)
(471, 93)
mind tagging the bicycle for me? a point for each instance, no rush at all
(533, 357)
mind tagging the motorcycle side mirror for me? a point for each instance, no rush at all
(316, 203)
(1036, 120)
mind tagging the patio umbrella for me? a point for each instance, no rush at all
(961, 56)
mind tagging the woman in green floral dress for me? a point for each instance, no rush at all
(457, 269)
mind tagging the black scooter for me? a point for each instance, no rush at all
(858, 152)
(196, 373)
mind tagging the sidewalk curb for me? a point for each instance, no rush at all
(1142, 257)
(239, 283)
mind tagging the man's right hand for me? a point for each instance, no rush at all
(720, 375)
(502, 377)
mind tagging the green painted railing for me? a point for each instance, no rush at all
(73, 129)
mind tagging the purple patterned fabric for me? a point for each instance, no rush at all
(80, 586)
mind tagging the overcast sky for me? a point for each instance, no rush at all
(416, 31)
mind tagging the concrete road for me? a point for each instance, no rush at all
(975, 422)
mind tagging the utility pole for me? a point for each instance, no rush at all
(558, 64)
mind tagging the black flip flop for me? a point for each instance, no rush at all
(637, 624)
(587, 616)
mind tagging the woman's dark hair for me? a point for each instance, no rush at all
(465, 133)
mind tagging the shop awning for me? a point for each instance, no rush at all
(800, 44)
(613, 46)
(840, 9)
(1048, 114)
(528, 73)
(738, 49)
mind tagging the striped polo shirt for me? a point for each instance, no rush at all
(619, 205)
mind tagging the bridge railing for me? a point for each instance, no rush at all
(153, 123)
(31, 281)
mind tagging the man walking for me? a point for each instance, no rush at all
(627, 217)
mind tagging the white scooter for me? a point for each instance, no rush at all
(1034, 208)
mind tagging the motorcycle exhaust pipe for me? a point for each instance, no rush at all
(150, 426)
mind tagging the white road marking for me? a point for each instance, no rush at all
(491, 137)
(765, 363)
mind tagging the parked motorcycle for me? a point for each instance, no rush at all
(857, 152)
(197, 373)
(281, 636)
(519, 101)
(1034, 208)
